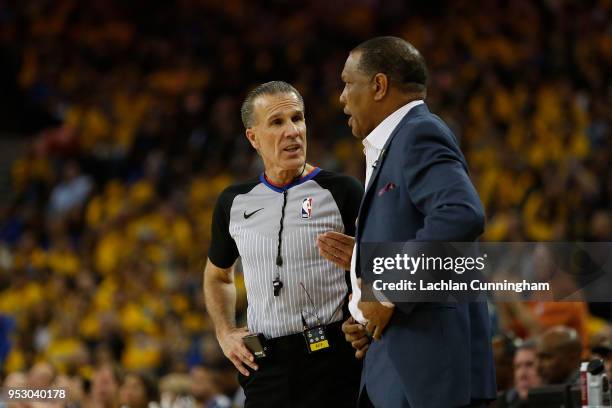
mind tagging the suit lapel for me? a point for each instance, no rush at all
(367, 197)
(381, 158)
(379, 162)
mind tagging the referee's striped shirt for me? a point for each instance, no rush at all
(246, 224)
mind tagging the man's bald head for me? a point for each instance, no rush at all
(41, 375)
(559, 350)
(561, 336)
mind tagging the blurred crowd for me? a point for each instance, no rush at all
(133, 113)
(111, 386)
(551, 359)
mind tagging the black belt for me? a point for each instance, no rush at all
(295, 343)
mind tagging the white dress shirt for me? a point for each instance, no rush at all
(372, 146)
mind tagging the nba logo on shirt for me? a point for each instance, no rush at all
(307, 208)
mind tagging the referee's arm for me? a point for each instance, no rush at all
(220, 299)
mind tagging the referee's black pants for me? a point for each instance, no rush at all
(290, 377)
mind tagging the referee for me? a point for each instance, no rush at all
(293, 353)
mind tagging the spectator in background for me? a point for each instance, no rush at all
(16, 380)
(532, 318)
(139, 390)
(205, 390)
(503, 355)
(600, 228)
(72, 191)
(224, 378)
(525, 374)
(105, 386)
(74, 389)
(174, 391)
(41, 375)
(558, 351)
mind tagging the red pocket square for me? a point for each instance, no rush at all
(388, 187)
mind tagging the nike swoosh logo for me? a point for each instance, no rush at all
(248, 215)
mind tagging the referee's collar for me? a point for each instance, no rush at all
(280, 189)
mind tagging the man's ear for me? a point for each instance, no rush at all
(380, 86)
(252, 139)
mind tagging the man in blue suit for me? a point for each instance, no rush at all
(417, 189)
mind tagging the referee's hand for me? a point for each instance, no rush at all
(337, 248)
(233, 347)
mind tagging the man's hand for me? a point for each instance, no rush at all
(337, 248)
(378, 317)
(233, 347)
(355, 333)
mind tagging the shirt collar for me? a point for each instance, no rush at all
(379, 136)
(293, 183)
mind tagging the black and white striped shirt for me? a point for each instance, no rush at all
(246, 223)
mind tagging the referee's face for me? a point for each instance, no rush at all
(279, 132)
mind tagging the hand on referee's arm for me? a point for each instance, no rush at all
(337, 248)
(356, 334)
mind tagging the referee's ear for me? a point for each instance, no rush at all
(250, 134)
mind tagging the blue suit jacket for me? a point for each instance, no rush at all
(435, 354)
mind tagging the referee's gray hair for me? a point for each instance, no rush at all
(269, 88)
